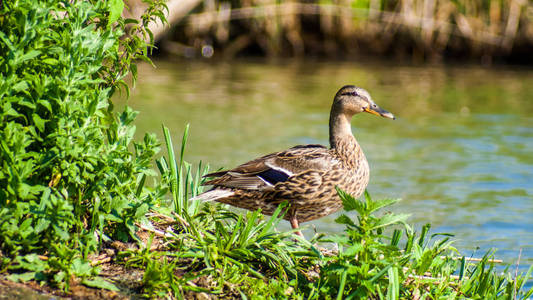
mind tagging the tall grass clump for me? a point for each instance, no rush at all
(213, 249)
(71, 175)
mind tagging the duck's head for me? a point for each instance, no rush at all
(351, 100)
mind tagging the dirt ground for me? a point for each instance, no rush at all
(32, 291)
(128, 281)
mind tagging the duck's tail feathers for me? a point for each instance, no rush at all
(213, 195)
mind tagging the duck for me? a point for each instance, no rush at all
(306, 176)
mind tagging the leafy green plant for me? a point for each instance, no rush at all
(363, 261)
(372, 263)
(71, 175)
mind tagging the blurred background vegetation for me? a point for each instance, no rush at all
(419, 30)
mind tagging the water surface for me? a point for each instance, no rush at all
(460, 153)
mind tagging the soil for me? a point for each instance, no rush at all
(128, 280)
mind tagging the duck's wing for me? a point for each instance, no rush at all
(264, 172)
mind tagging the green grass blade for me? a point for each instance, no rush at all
(396, 236)
(422, 238)
(173, 170)
(342, 284)
(462, 268)
(393, 291)
(380, 273)
(233, 237)
(274, 219)
(525, 280)
(140, 186)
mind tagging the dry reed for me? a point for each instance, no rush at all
(423, 29)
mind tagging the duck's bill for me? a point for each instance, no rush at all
(378, 111)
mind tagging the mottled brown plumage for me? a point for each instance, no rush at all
(304, 176)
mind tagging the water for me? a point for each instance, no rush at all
(459, 155)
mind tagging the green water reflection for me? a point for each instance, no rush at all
(459, 154)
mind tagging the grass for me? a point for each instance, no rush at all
(213, 250)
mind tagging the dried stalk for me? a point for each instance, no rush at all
(404, 18)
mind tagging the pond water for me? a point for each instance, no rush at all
(460, 153)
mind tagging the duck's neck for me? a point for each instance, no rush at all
(341, 138)
(340, 129)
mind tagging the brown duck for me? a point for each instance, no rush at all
(305, 176)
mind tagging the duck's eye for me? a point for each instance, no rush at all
(353, 93)
(373, 105)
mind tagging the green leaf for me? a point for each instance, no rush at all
(62, 234)
(46, 104)
(25, 228)
(348, 201)
(20, 86)
(353, 250)
(31, 262)
(42, 224)
(141, 211)
(344, 219)
(50, 61)
(22, 277)
(61, 165)
(338, 239)
(131, 21)
(380, 273)
(115, 10)
(81, 268)
(376, 205)
(31, 54)
(390, 219)
(60, 276)
(101, 283)
(39, 123)
(8, 42)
